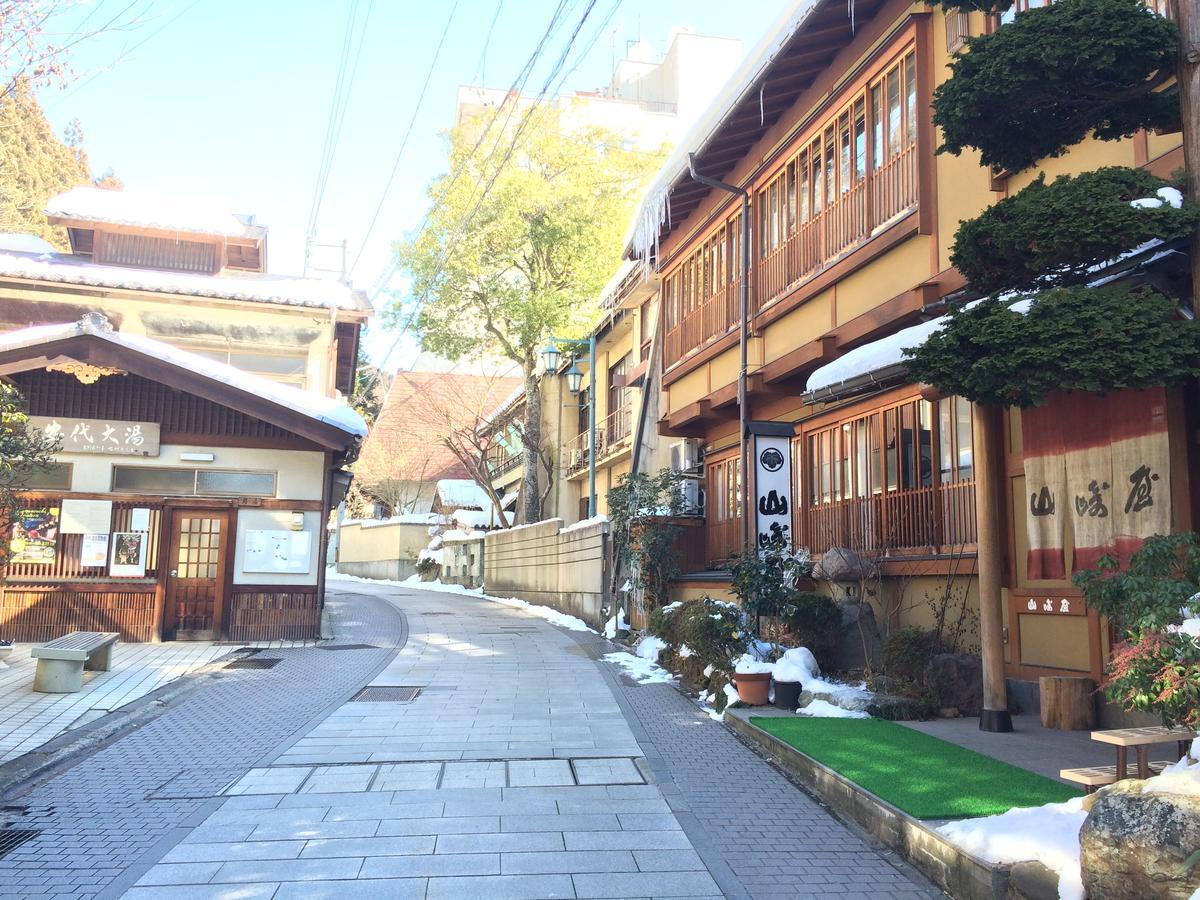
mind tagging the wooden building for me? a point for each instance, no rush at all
(203, 432)
(851, 218)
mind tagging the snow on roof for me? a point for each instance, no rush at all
(148, 209)
(324, 409)
(872, 357)
(462, 493)
(475, 518)
(517, 393)
(290, 290)
(25, 243)
(655, 209)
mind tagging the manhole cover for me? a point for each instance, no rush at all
(12, 838)
(386, 694)
(346, 647)
(254, 662)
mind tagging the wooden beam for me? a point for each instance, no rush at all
(987, 445)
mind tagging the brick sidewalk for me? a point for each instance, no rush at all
(770, 838)
(95, 821)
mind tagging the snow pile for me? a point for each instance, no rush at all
(1166, 196)
(584, 523)
(748, 665)
(462, 493)
(474, 518)
(649, 647)
(1047, 834)
(797, 665)
(685, 651)
(614, 624)
(1182, 777)
(639, 668)
(823, 709)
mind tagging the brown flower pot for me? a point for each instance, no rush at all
(753, 689)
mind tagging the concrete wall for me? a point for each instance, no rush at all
(541, 563)
(385, 550)
(462, 561)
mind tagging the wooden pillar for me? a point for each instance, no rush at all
(989, 454)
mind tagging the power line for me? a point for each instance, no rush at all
(351, 54)
(554, 73)
(404, 140)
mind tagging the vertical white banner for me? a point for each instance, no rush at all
(772, 484)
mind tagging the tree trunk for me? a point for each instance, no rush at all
(1067, 702)
(530, 495)
(1187, 17)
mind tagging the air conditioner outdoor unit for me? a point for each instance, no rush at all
(685, 455)
(693, 497)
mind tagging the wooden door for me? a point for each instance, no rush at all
(196, 576)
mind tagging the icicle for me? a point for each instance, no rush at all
(850, 13)
(762, 116)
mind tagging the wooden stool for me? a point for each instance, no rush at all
(1067, 702)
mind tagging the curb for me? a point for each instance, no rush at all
(958, 873)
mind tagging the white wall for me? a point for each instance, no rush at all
(300, 473)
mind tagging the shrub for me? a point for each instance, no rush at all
(764, 580)
(906, 654)
(713, 630)
(815, 621)
(428, 569)
(1156, 668)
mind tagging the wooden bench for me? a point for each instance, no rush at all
(60, 662)
(1094, 777)
(1141, 739)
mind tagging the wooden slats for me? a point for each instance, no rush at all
(43, 613)
(283, 615)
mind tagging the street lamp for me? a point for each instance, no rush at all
(574, 378)
(550, 355)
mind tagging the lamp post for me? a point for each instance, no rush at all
(550, 356)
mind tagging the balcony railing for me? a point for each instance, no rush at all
(504, 461)
(851, 218)
(939, 519)
(617, 428)
(611, 433)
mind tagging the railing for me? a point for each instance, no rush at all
(506, 461)
(617, 427)
(850, 219)
(935, 519)
(575, 454)
(723, 541)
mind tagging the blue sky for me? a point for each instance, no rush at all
(230, 99)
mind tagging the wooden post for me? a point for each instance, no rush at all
(988, 450)
(1068, 703)
(1187, 17)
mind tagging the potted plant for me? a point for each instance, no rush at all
(753, 681)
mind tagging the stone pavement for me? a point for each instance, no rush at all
(121, 808)
(524, 769)
(29, 719)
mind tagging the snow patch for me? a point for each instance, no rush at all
(640, 669)
(823, 709)
(1048, 834)
(650, 647)
(585, 523)
(797, 665)
(614, 624)
(25, 243)
(748, 665)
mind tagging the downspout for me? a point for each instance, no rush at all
(743, 336)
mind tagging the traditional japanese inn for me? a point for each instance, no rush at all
(197, 402)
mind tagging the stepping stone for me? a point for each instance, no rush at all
(607, 771)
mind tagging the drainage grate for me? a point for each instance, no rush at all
(347, 647)
(386, 694)
(254, 662)
(12, 838)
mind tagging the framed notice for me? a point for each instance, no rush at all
(128, 555)
(139, 519)
(86, 517)
(283, 552)
(34, 536)
(95, 551)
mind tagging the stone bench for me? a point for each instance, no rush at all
(60, 662)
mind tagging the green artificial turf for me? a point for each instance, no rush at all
(925, 776)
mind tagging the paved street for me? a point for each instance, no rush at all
(524, 768)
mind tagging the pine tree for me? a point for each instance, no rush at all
(34, 165)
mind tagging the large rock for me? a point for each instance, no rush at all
(859, 646)
(1133, 845)
(956, 680)
(842, 564)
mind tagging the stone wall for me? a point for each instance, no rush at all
(382, 549)
(462, 560)
(566, 569)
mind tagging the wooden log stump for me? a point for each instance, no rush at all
(1067, 702)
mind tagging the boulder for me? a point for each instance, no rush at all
(845, 699)
(859, 646)
(1033, 881)
(842, 564)
(1134, 845)
(956, 680)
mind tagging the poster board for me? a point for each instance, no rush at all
(139, 519)
(283, 552)
(86, 516)
(94, 552)
(34, 537)
(128, 555)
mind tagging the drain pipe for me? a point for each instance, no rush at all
(743, 335)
